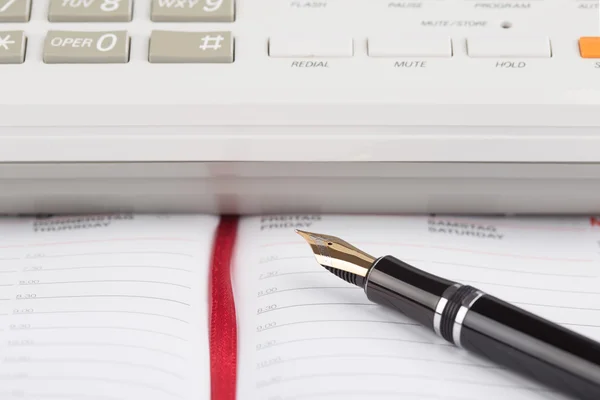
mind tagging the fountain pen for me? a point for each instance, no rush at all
(515, 339)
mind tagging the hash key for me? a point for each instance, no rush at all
(191, 47)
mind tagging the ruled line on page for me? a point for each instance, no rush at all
(321, 321)
(100, 312)
(500, 269)
(452, 249)
(428, 261)
(98, 296)
(553, 290)
(117, 328)
(270, 260)
(56, 395)
(315, 305)
(124, 382)
(369, 394)
(106, 281)
(110, 266)
(360, 338)
(95, 241)
(429, 378)
(102, 345)
(556, 306)
(293, 273)
(97, 362)
(112, 253)
(378, 356)
(309, 288)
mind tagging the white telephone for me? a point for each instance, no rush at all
(476, 106)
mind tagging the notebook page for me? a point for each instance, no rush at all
(105, 307)
(306, 334)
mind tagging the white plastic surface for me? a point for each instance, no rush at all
(358, 108)
(527, 46)
(394, 46)
(307, 45)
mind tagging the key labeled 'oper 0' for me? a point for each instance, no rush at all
(68, 47)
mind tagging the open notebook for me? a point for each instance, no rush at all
(116, 306)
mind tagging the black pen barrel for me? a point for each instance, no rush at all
(506, 335)
(525, 343)
(411, 291)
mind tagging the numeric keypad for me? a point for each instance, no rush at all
(90, 46)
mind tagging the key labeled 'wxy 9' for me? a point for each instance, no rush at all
(193, 10)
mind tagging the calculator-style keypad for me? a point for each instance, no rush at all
(90, 10)
(15, 10)
(192, 43)
(193, 11)
(190, 47)
(93, 46)
(12, 47)
(68, 47)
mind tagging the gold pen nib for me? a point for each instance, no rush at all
(338, 256)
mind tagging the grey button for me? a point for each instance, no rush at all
(15, 10)
(69, 47)
(191, 47)
(90, 10)
(12, 47)
(193, 11)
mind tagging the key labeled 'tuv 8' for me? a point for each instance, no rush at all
(90, 10)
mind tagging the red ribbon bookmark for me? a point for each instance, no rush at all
(223, 327)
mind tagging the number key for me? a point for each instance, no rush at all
(193, 10)
(15, 10)
(90, 10)
(67, 47)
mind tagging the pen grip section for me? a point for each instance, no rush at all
(409, 290)
(537, 348)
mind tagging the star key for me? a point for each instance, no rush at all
(5, 42)
(12, 47)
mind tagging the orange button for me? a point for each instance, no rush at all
(589, 47)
